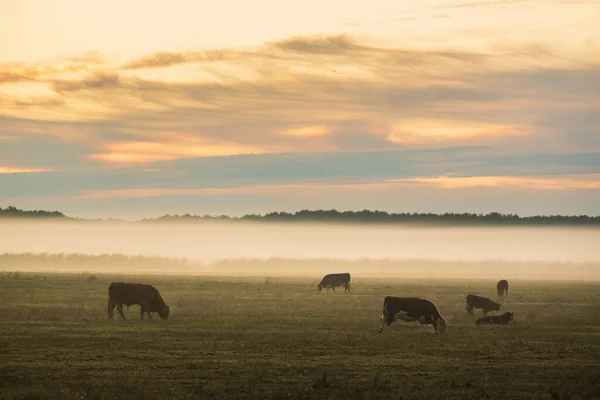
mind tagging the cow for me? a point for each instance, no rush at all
(409, 309)
(495, 319)
(333, 280)
(487, 305)
(121, 293)
(502, 288)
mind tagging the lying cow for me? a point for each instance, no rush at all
(487, 305)
(495, 319)
(333, 280)
(121, 293)
(409, 309)
(502, 288)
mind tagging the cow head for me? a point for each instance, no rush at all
(510, 315)
(319, 288)
(164, 311)
(441, 325)
(498, 306)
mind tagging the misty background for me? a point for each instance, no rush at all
(314, 249)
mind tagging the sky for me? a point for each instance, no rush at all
(142, 108)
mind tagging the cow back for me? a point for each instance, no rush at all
(335, 279)
(482, 302)
(135, 293)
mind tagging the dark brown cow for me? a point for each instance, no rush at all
(495, 319)
(121, 293)
(502, 288)
(409, 309)
(333, 280)
(487, 305)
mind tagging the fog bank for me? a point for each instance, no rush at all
(208, 242)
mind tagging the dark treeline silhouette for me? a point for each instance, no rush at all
(365, 216)
(11, 211)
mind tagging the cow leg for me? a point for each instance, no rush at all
(111, 309)
(142, 312)
(120, 310)
(333, 287)
(383, 318)
(147, 309)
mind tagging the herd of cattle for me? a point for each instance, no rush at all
(407, 309)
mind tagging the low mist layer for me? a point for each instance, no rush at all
(213, 241)
(87, 265)
(302, 250)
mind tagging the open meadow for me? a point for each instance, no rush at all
(270, 337)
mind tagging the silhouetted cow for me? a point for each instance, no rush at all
(121, 293)
(409, 309)
(333, 280)
(495, 319)
(502, 288)
(487, 305)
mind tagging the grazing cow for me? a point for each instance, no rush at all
(409, 309)
(487, 305)
(495, 319)
(333, 280)
(502, 288)
(121, 293)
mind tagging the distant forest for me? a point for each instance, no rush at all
(365, 216)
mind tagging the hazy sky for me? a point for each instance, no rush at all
(142, 108)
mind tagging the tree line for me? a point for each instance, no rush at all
(364, 216)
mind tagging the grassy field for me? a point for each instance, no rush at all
(275, 338)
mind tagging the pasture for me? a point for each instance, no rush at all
(275, 338)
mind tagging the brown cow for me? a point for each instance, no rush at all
(502, 288)
(487, 305)
(121, 293)
(409, 309)
(495, 319)
(333, 280)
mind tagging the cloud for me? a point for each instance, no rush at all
(20, 170)
(492, 3)
(317, 189)
(311, 94)
(147, 152)
(17, 72)
(307, 131)
(563, 182)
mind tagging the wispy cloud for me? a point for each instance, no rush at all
(21, 170)
(300, 94)
(316, 189)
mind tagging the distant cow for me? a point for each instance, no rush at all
(487, 305)
(121, 293)
(333, 280)
(409, 309)
(502, 288)
(495, 319)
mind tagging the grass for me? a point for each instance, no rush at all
(275, 338)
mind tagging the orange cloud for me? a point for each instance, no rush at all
(20, 170)
(317, 189)
(145, 151)
(582, 181)
(307, 131)
(439, 129)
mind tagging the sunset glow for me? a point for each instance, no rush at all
(504, 93)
